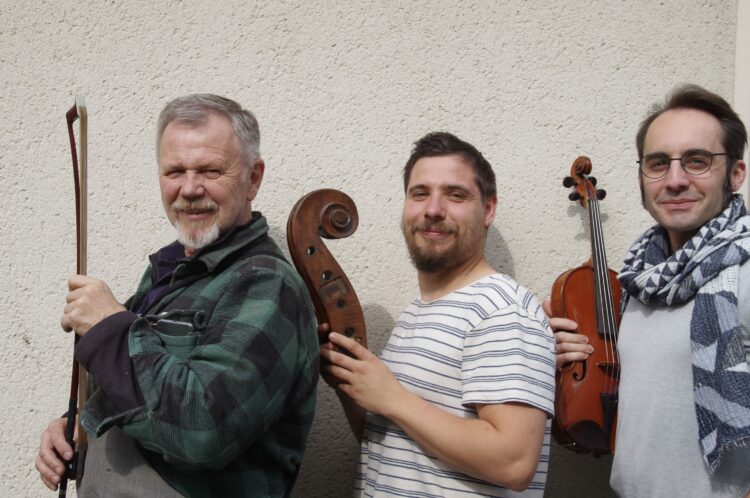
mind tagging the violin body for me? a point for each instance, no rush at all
(587, 391)
(579, 422)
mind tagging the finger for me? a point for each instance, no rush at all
(324, 328)
(356, 349)
(65, 323)
(339, 374)
(563, 359)
(78, 281)
(571, 338)
(54, 437)
(332, 357)
(47, 475)
(49, 461)
(74, 294)
(562, 324)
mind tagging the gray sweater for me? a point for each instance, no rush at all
(657, 453)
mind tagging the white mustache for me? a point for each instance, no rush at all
(195, 207)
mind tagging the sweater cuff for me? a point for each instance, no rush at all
(103, 351)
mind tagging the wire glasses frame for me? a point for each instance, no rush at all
(693, 162)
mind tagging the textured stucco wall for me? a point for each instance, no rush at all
(341, 90)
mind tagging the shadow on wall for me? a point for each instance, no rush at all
(330, 460)
(497, 253)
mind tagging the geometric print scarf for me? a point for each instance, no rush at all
(705, 268)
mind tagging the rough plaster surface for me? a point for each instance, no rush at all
(341, 90)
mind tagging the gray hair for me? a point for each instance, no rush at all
(197, 107)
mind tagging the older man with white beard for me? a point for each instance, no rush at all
(205, 378)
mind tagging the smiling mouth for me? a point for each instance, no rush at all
(432, 233)
(192, 212)
(678, 203)
(194, 209)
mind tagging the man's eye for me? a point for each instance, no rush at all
(212, 173)
(173, 173)
(697, 161)
(657, 163)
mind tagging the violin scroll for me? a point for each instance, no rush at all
(329, 214)
(585, 186)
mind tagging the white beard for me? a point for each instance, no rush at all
(198, 240)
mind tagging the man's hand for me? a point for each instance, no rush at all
(570, 345)
(329, 379)
(52, 446)
(89, 302)
(362, 376)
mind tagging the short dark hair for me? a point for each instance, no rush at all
(441, 143)
(689, 96)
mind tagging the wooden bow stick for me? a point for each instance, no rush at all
(78, 378)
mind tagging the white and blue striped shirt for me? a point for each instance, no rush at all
(486, 343)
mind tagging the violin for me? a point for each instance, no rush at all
(587, 391)
(330, 214)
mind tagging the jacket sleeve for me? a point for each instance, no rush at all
(256, 357)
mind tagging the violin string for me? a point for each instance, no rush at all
(604, 291)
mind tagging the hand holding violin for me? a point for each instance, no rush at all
(571, 346)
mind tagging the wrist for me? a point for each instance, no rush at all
(398, 403)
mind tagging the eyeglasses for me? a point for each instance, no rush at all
(694, 162)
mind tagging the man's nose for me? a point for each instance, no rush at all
(435, 207)
(192, 185)
(677, 178)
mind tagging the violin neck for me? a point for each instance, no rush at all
(605, 305)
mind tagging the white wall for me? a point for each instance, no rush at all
(742, 75)
(341, 90)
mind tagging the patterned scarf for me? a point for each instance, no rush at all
(706, 269)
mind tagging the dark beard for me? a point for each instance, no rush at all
(429, 261)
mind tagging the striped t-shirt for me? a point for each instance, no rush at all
(486, 343)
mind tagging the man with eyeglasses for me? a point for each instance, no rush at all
(684, 340)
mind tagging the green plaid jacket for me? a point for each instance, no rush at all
(228, 406)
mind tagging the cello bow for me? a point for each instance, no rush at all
(78, 377)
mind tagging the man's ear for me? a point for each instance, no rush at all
(256, 178)
(739, 171)
(490, 205)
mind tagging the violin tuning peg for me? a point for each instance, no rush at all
(568, 182)
(601, 194)
(592, 179)
(574, 196)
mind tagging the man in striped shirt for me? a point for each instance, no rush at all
(458, 402)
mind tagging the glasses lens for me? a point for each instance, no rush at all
(696, 162)
(655, 165)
